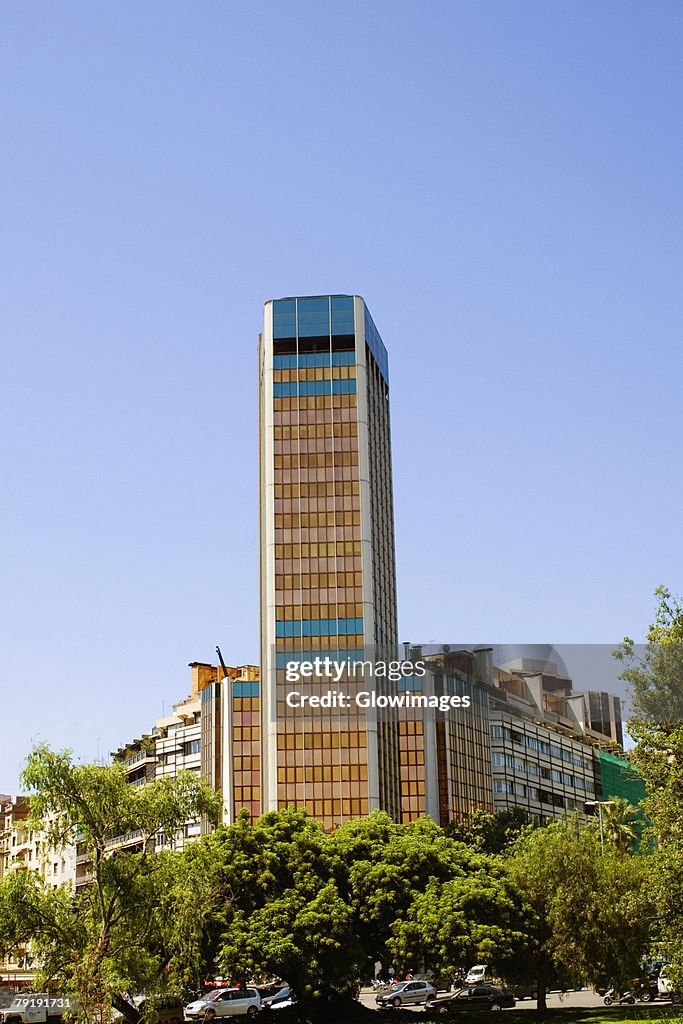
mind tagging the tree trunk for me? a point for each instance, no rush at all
(128, 1012)
(542, 989)
(541, 1003)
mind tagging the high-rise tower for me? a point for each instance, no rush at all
(328, 581)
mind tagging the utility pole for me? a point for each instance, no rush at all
(600, 804)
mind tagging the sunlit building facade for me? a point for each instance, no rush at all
(231, 736)
(446, 754)
(215, 733)
(327, 550)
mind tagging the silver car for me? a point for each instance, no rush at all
(225, 1002)
(407, 993)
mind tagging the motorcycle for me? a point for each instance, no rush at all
(611, 996)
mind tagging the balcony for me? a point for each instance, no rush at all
(145, 756)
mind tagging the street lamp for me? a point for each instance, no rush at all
(600, 804)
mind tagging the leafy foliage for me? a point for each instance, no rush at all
(655, 669)
(587, 908)
(454, 924)
(106, 939)
(493, 833)
(656, 678)
(622, 823)
(280, 897)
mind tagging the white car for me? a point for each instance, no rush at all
(225, 1002)
(283, 1003)
(285, 997)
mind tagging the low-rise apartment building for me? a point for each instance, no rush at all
(23, 849)
(215, 733)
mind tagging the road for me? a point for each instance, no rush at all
(585, 999)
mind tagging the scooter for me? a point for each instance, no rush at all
(611, 996)
(380, 985)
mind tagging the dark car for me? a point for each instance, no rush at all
(475, 997)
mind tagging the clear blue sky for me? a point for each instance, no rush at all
(501, 181)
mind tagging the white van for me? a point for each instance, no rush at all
(482, 974)
(478, 974)
(664, 987)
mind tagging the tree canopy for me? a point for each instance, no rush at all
(104, 940)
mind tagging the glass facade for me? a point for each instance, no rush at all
(231, 737)
(445, 755)
(246, 748)
(327, 549)
(546, 772)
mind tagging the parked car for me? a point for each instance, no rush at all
(477, 997)
(284, 1003)
(275, 1002)
(478, 975)
(269, 990)
(225, 1002)
(407, 993)
(523, 991)
(440, 981)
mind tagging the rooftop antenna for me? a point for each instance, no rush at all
(220, 658)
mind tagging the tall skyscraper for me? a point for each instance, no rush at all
(327, 550)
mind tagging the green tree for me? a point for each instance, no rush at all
(655, 669)
(587, 909)
(387, 865)
(305, 935)
(274, 902)
(106, 939)
(279, 896)
(656, 677)
(454, 924)
(622, 823)
(492, 833)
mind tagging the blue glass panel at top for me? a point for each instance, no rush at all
(246, 688)
(314, 317)
(376, 345)
(310, 317)
(342, 314)
(284, 318)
